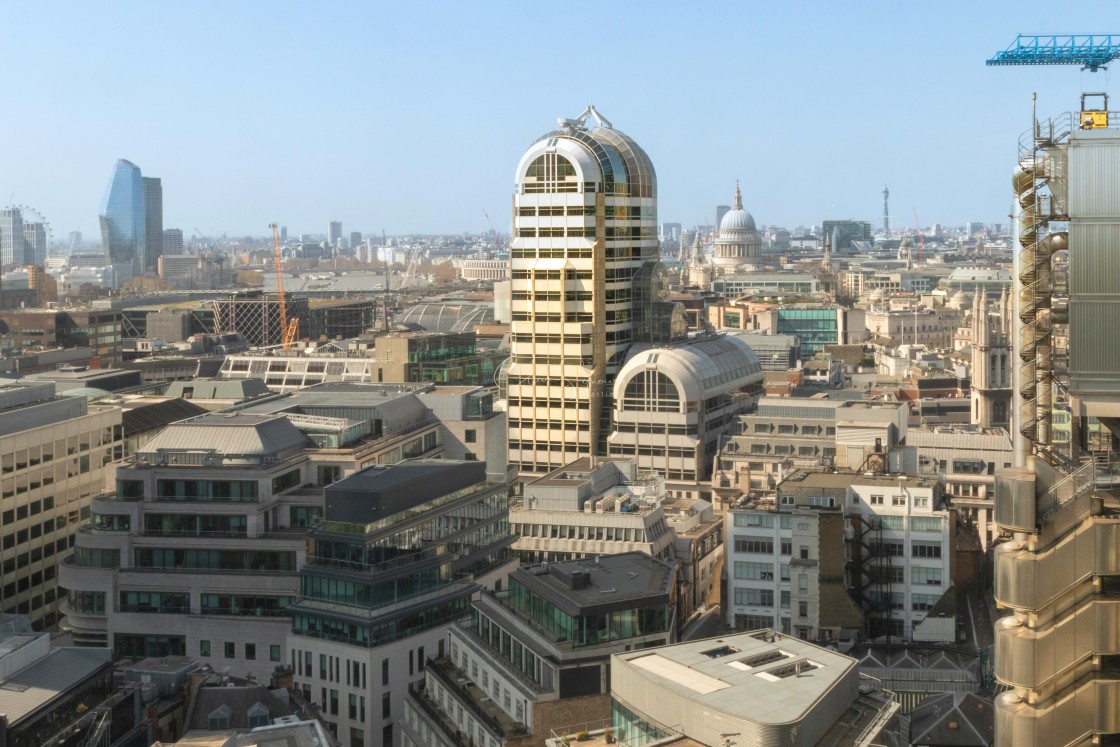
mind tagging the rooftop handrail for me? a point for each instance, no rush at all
(1069, 489)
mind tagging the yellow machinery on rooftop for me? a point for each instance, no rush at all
(1094, 119)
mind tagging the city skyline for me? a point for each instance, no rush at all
(812, 111)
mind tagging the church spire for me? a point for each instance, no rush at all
(738, 197)
(697, 250)
(1005, 313)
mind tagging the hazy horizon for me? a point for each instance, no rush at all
(411, 118)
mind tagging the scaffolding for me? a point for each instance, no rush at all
(345, 319)
(256, 315)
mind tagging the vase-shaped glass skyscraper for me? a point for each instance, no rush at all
(586, 282)
(122, 221)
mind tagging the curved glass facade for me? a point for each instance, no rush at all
(122, 220)
(446, 317)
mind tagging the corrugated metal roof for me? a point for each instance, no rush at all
(37, 685)
(958, 439)
(228, 433)
(236, 389)
(149, 415)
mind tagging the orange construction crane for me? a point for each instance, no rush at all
(289, 328)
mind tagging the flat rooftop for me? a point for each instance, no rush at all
(378, 492)
(806, 479)
(764, 677)
(342, 396)
(601, 584)
(578, 471)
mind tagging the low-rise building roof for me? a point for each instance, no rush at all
(602, 584)
(763, 686)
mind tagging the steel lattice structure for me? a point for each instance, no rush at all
(1092, 51)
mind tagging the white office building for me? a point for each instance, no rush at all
(836, 553)
(587, 509)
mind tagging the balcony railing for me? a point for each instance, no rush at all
(466, 629)
(117, 498)
(240, 533)
(363, 612)
(1065, 491)
(380, 441)
(254, 612)
(163, 610)
(449, 728)
(475, 699)
(354, 565)
(208, 571)
(886, 711)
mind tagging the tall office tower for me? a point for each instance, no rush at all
(1059, 574)
(334, 232)
(721, 210)
(172, 241)
(75, 240)
(355, 239)
(122, 221)
(153, 223)
(12, 238)
(586, 283)
(283, 234)
(886, 212)
(34, 243)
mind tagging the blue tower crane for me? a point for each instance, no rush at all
(1092, 51)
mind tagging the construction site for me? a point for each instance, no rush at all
(256, 315)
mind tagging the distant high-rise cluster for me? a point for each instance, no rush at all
(132, 222)
(21, 243)
(11, 236)
(172, 241)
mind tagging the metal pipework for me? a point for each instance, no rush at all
(1024, 179)
(1033, 278)
(1021, 446)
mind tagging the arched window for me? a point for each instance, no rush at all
(551, 173)
(651, 391)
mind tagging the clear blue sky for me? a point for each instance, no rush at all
(411, 116)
